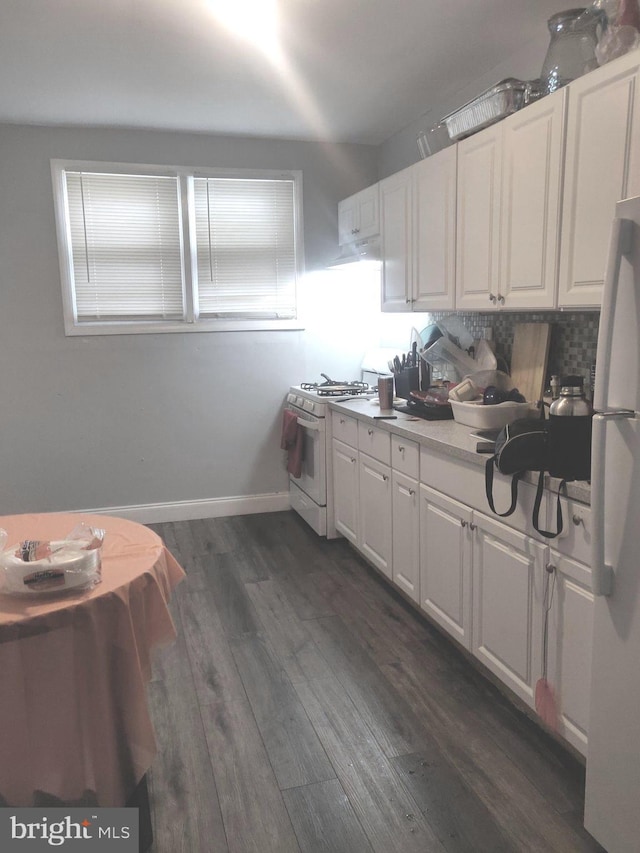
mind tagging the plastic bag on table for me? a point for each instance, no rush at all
(36, 566)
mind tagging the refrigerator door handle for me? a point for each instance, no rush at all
(601, 572)
(618, 415)
(621, 243)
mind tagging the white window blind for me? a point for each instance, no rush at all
(126, 246)
(153, 248)
(246, 247)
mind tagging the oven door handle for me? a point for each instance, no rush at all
(314, 427)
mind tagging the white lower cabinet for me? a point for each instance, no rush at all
(507, 604)
(445, 563)
(345, 490)
(481, 580)
(406, 534)
(375, 512)
(570, 643)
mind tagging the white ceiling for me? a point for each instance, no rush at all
(351, 70)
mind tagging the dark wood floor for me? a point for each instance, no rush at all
(306, 707)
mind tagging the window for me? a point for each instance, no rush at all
(152, 249)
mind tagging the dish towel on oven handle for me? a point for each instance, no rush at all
(292, 442)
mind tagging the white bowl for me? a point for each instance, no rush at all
(474, 413)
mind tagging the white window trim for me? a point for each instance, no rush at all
(190, 324)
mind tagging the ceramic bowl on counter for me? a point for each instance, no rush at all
(475, 413)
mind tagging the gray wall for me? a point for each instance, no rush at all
(102, 421)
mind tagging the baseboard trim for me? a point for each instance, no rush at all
(186, 510)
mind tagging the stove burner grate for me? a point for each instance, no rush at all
(336, 389)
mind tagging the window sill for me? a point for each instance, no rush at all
(154, 328)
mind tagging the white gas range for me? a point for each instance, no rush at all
(308, 493)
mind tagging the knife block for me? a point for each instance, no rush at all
(407, 380)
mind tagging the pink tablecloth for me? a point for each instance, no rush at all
(74, 720)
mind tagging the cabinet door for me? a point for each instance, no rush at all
(570, 641)
(375, 513)
(445, 563)
(531, 192)
(345, 490)
(602, 166)
(347, 221)
(507, 604)
(396, 240)
(368, 223)
(406, 534)
(478, 219)
(435, 231)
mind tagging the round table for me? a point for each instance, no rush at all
(74, 719)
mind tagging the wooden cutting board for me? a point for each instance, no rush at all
(529, 358)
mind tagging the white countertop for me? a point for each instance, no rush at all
(446, 437)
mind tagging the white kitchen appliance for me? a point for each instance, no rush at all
(308, 493)
(612, 798)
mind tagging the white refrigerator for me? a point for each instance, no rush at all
(612, 797)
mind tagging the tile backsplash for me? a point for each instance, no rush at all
(574, 336)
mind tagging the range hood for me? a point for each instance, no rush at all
(361, 250)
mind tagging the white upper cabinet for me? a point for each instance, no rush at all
(509, 191)
(359, 216)
(396, 236)
(478, 220)
(531, 198)
(435, 232)
(602, 166)
(418, 235)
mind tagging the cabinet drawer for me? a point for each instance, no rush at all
(375, 442)
(345, 428)
(405, 456)
(465, 482)
(575, 539)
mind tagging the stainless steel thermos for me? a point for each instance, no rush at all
(569, 432)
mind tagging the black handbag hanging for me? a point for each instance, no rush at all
(523, 446)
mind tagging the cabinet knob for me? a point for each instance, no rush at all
(400, 448)
(473, 526)
(384, 477)
(492, 298)
(463, 523)
(356, 230)
(342, 420)
(407, 300)
(353, 460)
(501, 299)
(412, 492)
(370, 431)
(577, 519)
